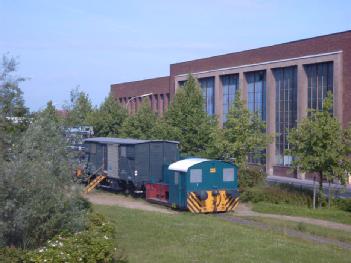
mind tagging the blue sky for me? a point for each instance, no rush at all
(63, 44)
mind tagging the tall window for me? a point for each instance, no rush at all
(286, 110)
(256, 88)
(181, 83)
(320, 81)
(230, 84)
(207, 87)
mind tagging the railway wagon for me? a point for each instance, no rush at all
(128, 164)
(202, 185)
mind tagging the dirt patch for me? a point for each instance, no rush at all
(105, 198)
(245, 210)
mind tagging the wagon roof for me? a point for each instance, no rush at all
(109, 140)
(184, 165)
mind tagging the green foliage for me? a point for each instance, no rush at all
(277, 195)
(78, 108)
(108, 118)
(343, 204)
(50, 113)
(95, 244)
(14, 117)
(11, 96)
(250, 177)
(186, 120)
(142, 125)
(37, 198)
(320, 145)
(243, 133)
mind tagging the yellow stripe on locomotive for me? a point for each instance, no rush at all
(211, 202)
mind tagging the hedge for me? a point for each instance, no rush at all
(95, 244)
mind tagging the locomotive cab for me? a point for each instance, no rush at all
(203, 186)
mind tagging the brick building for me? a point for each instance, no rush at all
(280, 82)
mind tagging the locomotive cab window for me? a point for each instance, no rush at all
(228, 175)
(93, 148)
(123, 151)
(195, 176)
(176, 177)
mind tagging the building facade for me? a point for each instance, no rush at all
(279, 82)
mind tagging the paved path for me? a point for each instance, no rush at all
(245, 210)
(338, 190)
(105, 198)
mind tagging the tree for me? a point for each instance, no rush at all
(187, 121)
(37, 198)
(14, 117)
(108, 118)
(50, 113)
(243, 133)
(11, 96)
(78, 108)
(320, 146)
(141, 125)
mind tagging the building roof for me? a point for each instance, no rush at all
(184, 165)
(109, 140)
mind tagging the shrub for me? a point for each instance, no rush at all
(95, 244)
(37, 197)
(277, 195)
(343, 204)
(250, 177)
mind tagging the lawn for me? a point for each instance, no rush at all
(332, 214)
(185, 237)
(339, 235)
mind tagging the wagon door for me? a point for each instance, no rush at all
(112, 160)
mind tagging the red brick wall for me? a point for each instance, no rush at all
(137, 88)
(321, 44)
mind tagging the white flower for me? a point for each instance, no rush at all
(105, 237)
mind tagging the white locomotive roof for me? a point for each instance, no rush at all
(108, 140)
(184, 165)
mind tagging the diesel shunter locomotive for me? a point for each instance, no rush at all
(153, 168)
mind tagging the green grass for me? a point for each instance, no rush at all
(184, 237)
(332, 214)
(340, 235)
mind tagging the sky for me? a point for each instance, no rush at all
(65, 44)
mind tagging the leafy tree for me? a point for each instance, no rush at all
(50, 113)
(78, 108)
(187, 121)
(142, 125)
(108, 118)
(37, 199)
(11, 96)
(243, 133)
(320, 145)
(13, 113)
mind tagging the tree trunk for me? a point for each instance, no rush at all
(329, 194)
(320, 189)
(314, 192)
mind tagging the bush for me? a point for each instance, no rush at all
(37, 197)
(95, 244)
(277, 195)
(250, 177)
(343, 204)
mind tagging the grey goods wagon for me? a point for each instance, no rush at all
(129, 164)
